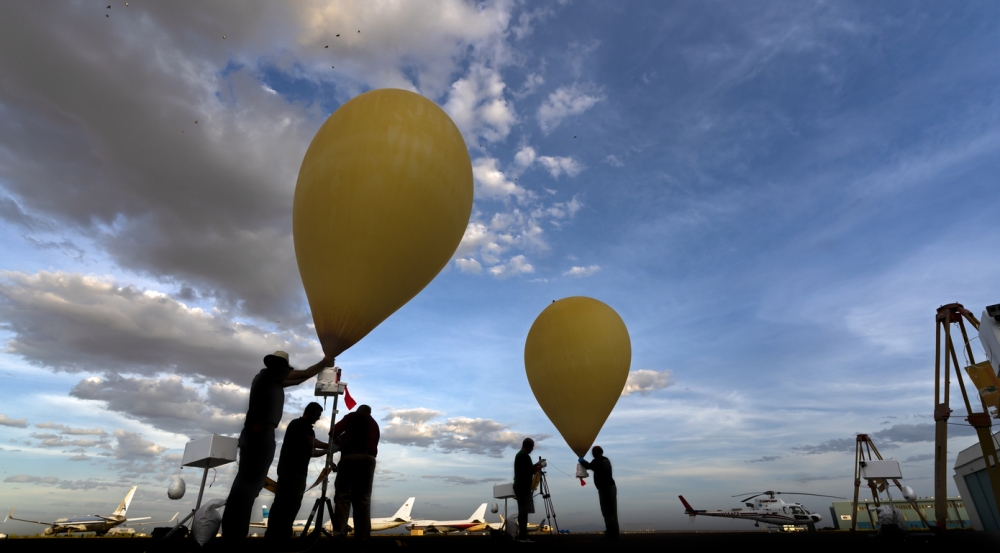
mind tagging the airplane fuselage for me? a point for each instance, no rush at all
(75, 525)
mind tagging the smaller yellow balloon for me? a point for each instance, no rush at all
(577, 358)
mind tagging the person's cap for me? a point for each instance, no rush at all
(278, 358)
(597, 450)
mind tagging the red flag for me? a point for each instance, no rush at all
(582, 483)
(348, 400)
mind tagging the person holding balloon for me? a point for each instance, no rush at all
(607, 492)
(267, 403)
(577, 357)
(358, 435)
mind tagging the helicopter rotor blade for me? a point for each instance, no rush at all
(814, 494)
(745, 493)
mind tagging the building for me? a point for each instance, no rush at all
(958, 517)
(974, 483)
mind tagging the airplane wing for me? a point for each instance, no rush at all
(131, 520)
(12, 517)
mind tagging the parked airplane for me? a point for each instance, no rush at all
(402, 516)
(477, 520)
(92, 523)
(490, 526)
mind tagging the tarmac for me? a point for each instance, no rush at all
(699, 542)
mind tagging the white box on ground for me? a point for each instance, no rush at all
(503, 491)
(888, 468)
(210, 452)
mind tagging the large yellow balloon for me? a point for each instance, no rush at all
(577, 357)
(383, 198)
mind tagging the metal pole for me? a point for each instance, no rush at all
(201, 490)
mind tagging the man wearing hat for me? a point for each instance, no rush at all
(267, 402)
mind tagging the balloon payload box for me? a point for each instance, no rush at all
(210, 452)
(581, 472)
(328, 383)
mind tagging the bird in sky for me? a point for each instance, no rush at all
(106, 15)
(223, 37)
(109, 7)
(327, 46)
(332, 67)
(338, 35)
(195, 121)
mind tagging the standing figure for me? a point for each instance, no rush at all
(607, 492)
(524, 473)
(299, 446)
(267, 402)
(357, 434)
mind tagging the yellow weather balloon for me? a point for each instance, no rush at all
(383, 198)
(577, 357)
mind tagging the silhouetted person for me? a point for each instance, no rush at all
(267, 402)
(607, 492)
(524, 472)
(299, 446)
(358, 435)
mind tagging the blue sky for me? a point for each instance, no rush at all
(775, 197)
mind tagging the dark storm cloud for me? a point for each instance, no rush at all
(71, 322)
(165, 403)
(835, 445)
(909, 433)
(91, 136)
(888, 438)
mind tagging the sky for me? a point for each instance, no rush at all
(774, 196)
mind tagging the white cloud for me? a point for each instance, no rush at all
(531, 83)
(16, 423)
(644, 381)
(558, 165)
(491, 181)
(580, 272)
(613, 161)
(469, 266)
(566, 101)
(55, 440)
(456, 434)
(525, 157)
(516, 265)
(71, 431)
(477, 105)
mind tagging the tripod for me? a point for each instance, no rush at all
(550, 511)
(323, 502)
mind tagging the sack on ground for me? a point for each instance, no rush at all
(206, 521)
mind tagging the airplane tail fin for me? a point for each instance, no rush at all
(479, 515)
(264, 512)
(123, 506)
(404, 512)
(690, 511)
(687, 506)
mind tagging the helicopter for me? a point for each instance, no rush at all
(769, 510)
